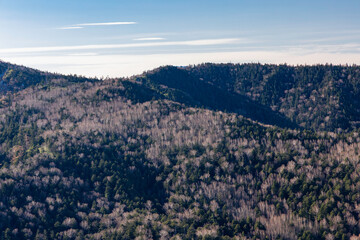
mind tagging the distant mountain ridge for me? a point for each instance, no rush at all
(320, 97)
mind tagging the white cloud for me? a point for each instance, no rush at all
(82, 25)
(82, 54)
(105, 24)
(149, 39)
(204, 42)
(69, 28)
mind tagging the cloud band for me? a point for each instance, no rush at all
(203, 42)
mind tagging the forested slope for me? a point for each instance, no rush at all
(148, 158)
(320, 97)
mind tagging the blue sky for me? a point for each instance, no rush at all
(121, 38)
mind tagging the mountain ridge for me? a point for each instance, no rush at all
(289, 96)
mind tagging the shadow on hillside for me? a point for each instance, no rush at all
(178, 85)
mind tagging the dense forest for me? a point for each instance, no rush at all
(212, 151)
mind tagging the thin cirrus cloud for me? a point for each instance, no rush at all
(82, 25)
(69, 28)
(106, 24)
(149, 39)
(202, 42)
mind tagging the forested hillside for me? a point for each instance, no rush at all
(320, 97)
(203, 152)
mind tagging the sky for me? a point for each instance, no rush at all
(116, 38)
